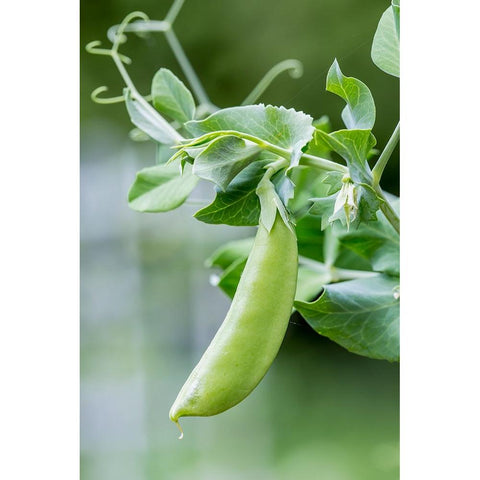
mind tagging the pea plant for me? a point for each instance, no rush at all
(327, 244)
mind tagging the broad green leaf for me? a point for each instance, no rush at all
(361, 315)
(386, 42)
(171, 97)
(239, 204)
(161, 188)
(228, 281)
(225, 255)
(147, 119)
(318, 146)
(279, 126)
(359, 113)
(222, 160)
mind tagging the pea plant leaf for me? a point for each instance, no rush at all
(359, 112)
(354, 146)
(226, 254)
(147, 119)
(360, 315)
(279, 126)
(171, 97)
(386, 42)
(161, 188)
(310, 282)
(223, 159)
(230, 277)
(239, 204)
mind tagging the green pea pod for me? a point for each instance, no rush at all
(249, 338)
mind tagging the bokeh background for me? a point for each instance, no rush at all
(148, 310)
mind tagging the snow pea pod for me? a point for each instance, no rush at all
(250, 336)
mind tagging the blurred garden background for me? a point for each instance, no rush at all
(148, 310)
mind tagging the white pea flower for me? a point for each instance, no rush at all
(347, 202)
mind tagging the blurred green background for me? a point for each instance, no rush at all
(147, 308)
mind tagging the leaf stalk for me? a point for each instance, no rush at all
(385, 155)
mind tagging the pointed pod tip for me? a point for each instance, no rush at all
(180, 428)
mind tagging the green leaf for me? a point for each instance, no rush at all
(279, 126)
(354, 146)
(147, 119)
(361, 315)
(171, 97)
(225, 255)
(161, 188)
(323, 123)
(324, 207)
(386, 42)
(223, 159)
(359, 113)
(239, 204)
(228, 281)
(310, 282)
(310, 237)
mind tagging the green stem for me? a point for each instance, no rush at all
(342, 274)
(385, 156)
(336, 274)
(387, 209)
(174, 10)
(176, 137)
(296, 70)
(322, 163)
(188, 70)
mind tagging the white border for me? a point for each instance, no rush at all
(39, 192)
(440, 397)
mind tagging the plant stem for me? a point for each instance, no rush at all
(341, 274)
(387, 209)
(296, 70)
(174, 10)
(188, 70)
(336, 274)
(322, 163)
(385, 156)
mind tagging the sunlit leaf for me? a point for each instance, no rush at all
(361, 315)
(161, 188)
(386, 42)
(171, 97)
